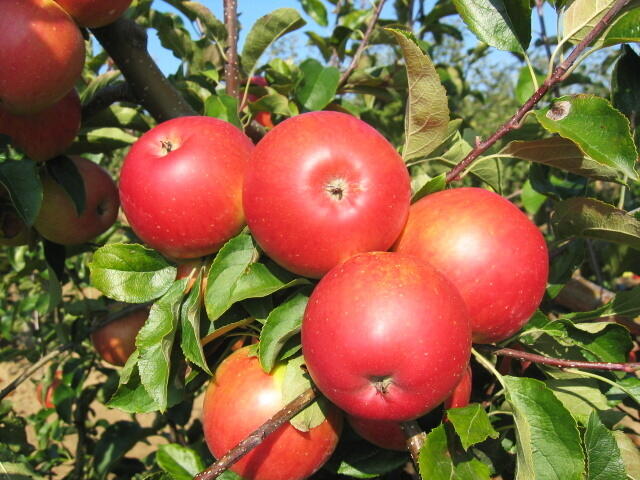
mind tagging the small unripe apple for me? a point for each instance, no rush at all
(116, 341)
(495, 256)
(181, 185)
(94, 13)
(239, 399)
(58, 219)
(45, 134)
(385, 336)
(41, 54)
(322, 187)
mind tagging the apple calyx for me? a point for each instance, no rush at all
(337, 189)
(382, 383)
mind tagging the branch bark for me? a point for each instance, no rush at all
(363, 45)
(556, 77)
(117, 92)
(231, 69)
(126, 43)
(415, 440)
(256, 437)
(559, 362)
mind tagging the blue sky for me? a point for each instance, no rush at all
(251, 10)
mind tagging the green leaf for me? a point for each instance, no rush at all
(267, 30)
(98, 83)
(190, 321)
(18, 471)
(435, 461)
(630, 455)
(130, 272)
(213, 27)
(224, 107)
(22, 181)
(624, 304)
(100, 140)
(182, 463)
(427, 115)
(235, 276)
(548, 442)
(558, 152)
(54, 289)
(316, 10)
(600, 130)
(66, 174)
(436, 184)
(604, 461)
(319, 85)
(282, 323)
(580, 396)
(155, 342)
(472, 424)
(532, 201)
(368, 461)
(525, 86)
(591, 218)
(295, 382)
(131, 396)
(581, 16)
(503, 24)
(274, 103)
(114, 443)
(626, 29)
(625, 83)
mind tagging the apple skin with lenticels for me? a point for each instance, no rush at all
(42, 55)
(322, 187)
(495, 256)
(385, 336)
(181, 185)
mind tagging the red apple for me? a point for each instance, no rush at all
(239, 399)
(385, 336)
(58, 220)
(94, 13)
(45, 134)
(181, 184)
(263, 118)
(13, 230)
(46, 399)
(322, 187)
(116, 341)
(42, 55)
(388, 434)
(489, 249)
(461, 395)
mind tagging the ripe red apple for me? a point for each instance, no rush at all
(46, 399)
(45, 134)
(322, 187)
(461, 395)
(94, 13)
(181, 184)
(42, 55)
(58, 220)
(489, 249)
(116, 341)
(240, 398)
(385, 336)
(263, 118)
(388, 434)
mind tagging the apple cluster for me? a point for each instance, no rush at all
(404, 289)
(42, 57)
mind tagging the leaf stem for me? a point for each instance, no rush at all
(488, 366)
(554, 78)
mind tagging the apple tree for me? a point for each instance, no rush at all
(407, 249)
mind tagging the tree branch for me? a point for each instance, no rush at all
(231, 69)
(556, 77)
(415, 440)
(256, 437)
(117, 92)
(126, 43)
(363, 45)
(559, 362)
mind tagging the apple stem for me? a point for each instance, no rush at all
(556, 77)
(415, 440)
(558, 362)
(256, 437)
